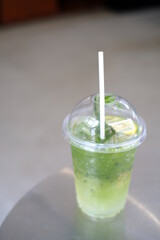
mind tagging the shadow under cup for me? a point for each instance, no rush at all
(102, 180)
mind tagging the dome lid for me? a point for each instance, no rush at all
(124, 128)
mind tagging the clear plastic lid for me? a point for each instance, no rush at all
(124, 128)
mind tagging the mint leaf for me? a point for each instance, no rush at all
(109, 132)
(109, 99)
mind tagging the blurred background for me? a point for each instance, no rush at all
(48, 62)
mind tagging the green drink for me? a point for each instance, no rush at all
(103, 169)
(99, 193)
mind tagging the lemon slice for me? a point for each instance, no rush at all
(122, 126)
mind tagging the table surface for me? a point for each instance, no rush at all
(50, 211)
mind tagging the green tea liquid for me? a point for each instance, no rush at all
(102, 181)
(102, 178)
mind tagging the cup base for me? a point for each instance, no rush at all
(96, 217)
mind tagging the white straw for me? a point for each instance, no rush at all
(101, 94)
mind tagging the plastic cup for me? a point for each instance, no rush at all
(102, 169)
